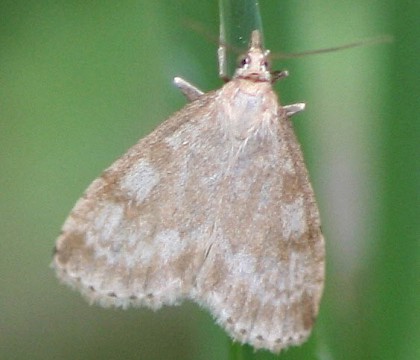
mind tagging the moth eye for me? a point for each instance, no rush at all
(244, 61)
(265, 64)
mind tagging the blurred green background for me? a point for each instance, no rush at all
(81, 81)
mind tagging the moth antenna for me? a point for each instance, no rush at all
(366, 42)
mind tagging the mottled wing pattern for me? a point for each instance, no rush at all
(216, 206)
(263, 276)
(138, 234)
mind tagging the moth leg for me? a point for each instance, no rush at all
(294, 108)
(277, 75)
(190, 91)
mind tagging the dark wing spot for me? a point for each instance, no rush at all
(74, 247)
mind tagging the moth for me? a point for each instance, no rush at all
(214, 206)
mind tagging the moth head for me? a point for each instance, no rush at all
(255, 64)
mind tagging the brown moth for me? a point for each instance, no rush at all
(215, 206)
